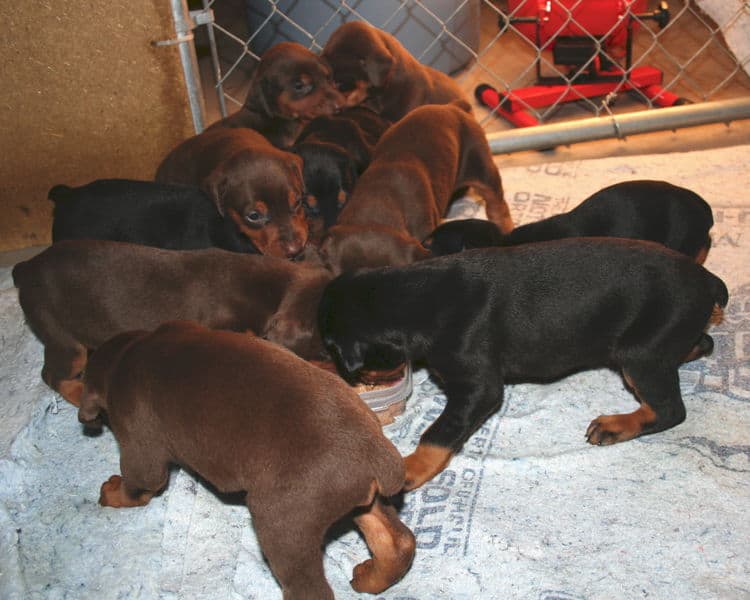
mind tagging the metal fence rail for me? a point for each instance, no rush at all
(699, 50)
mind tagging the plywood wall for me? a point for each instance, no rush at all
(83, 95)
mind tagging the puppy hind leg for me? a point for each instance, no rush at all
(392, 545)
(657, 388)
(291, 541)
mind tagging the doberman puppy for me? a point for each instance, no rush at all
(645, 209)
(417, 166)
(335, 150)
(371, 66)
(248, 415)
(536, 311)
(177, 217)
(255, 184)
(289, 87)
(78, 293)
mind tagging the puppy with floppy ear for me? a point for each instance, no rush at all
(290, 86)
(371, 66)
(644, 209)
(416, 167)
(254, 183)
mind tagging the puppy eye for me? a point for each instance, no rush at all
(255, 218)
(344, 86)
(302, 88)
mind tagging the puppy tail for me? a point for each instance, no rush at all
(59, 192)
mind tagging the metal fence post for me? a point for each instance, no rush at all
(184, 25)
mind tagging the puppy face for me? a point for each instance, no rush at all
(263, 195)
(294, 83)
(346, 314)
(360, 60)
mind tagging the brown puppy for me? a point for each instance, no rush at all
(290, 86)
(371, 66)
(257, 185)
(417, 166)
(250, 416)
(78, 293)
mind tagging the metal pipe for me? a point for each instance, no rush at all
(618, 126)
(215, 63)
(183, 28)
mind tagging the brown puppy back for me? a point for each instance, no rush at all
(250, 416)
(416, 167)
(76, 294)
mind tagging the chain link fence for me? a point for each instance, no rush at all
(536, 61)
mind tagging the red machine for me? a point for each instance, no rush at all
(588, 39)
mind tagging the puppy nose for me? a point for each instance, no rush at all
(293, 247)
(338, 100)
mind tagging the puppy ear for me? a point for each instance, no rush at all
(348, 360)
(89, 412)
(215, 185)
(295, 166)
(378, 66)
(266, 93)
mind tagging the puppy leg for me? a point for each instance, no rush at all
(62, 369)
(658, 390)
(145, 471)
(499, 213)
(291, 540)
(117, 494)
(392, 545)
(469, 403)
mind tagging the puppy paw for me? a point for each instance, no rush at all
(109, 494)
(611, 429)
(113, 494)
(365, 578)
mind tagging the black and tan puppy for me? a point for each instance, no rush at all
(255, 184)
(78, 293)
(645, 209)
(247, 415)
(163, 215)
(529, 312)
(335, 150)
(371, 66)
(417, 166)
(290, 86)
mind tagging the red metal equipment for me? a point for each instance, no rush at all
(587, 38)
